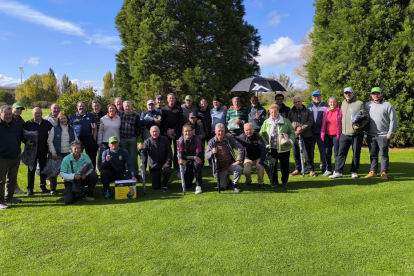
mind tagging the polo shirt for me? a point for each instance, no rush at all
(83, 125)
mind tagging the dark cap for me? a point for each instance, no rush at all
(159, 97)
(216, 98)
(192, 115)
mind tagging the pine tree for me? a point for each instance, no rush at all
(66, 84)
(108, 81)
(192, 47)
(363, 44)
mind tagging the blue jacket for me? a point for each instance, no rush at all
(317, 122)
(217, 116)
(118, 161)
(9, 139)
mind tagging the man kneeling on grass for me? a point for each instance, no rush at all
(69, 169)
(227, 162)
(191, 154)
(114, 160)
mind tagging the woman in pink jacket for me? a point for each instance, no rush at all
(331, 131)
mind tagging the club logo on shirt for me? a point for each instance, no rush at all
(120, 157)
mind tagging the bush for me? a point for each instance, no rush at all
(6, 97)
(41, 104)
(27, 103)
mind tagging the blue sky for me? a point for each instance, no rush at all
(79, 38)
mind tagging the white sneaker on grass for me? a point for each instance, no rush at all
(198, 190)
(336, 175)
(354, 175)
(327, 173)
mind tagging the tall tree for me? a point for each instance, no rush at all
(193, 47)
(66, 84)
(363, 44)
(283, 79)
(306, 53)
(108, 81)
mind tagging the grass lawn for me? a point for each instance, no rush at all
(317, 227)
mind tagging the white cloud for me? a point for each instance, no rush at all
(299, 83)
(258, 4)
(7, 81)
(86, 83)
(66, 42)
(26, 13)
(111, 42)
(275, 17)
(33, 61)
(283, 51)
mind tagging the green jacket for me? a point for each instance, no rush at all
(354, 104)
(66, 170)
(283, 126)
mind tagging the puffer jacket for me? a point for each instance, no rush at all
(283, 126)
(302, 118)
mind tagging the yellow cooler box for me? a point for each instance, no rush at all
(125, 189)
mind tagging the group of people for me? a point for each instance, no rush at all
(174, 138)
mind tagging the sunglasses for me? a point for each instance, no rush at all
(375, 93)
(347, 92)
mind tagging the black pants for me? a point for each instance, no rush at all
(330, 141)
(381, 144)
(345, 142)
(156, 178)
(283, 158)
(108, 176)
(175, 159)
(316, 139)
(193, 169)
(90, 148)
(41, 158)
(307, 150)
(89, 181)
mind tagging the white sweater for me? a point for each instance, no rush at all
(108, 128)
(64, 140)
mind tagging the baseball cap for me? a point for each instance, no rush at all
(113, 139)
(316, 92)
(376, 89)
(188, 98)
(150, 102)
(159, 97)
(349, 89)
(192, 115)
(18, 105)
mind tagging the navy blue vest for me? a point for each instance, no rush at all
(58, 137)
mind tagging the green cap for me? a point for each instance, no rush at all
(18, 105)
(376, 89)
(113, 139)
(188, 98)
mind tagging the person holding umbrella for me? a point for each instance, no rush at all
(278, 134)
(302, 121)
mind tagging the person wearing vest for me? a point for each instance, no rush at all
(191, 154)
(60, 138)
(114, 161)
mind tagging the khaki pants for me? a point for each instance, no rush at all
(248, 166)
(8, 170)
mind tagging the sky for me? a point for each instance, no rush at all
(79, 38)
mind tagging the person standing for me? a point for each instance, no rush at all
(331, 132)
(256, 114)
(227, 161)
(317, 107)
(382, 127)
(188, 107)
(204, 117)
(283, 109)
(171, 123)
(272, 131)
(119, 105)
(158, 151)
(17, 118)
(96, 110)
(218, 116)
(236, 116)
(254, 154)
(42, 127)
(110, 126)
(130, 131)
(159, 103)
(10, 134)
(85, 127)
(149, 118)
(302, 121)
(54, 112)
(351, 135)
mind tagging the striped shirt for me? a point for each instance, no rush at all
(237, 114)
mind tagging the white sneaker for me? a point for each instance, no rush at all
(18, 191)
(336, 175)
(327, 173)
(198, 190)
(354, 175)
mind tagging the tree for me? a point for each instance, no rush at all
(192, 47)
(66, 84)
(6, 97)
(283, 79)
(363, 44)
(306, 53)
(38, 88)
(108, 81)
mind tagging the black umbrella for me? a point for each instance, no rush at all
(258, 84)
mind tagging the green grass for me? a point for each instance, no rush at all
(317, 227)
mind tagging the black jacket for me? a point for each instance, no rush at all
(10, 135)
(158, 152)
(253, 150)
(42, 132)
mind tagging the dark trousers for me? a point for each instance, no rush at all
(307, 150)
(156, 178)
(345, 142)
(175, 159)
(108, 176)
(89, 181)
(330, 141)
(9, 169)
(316, 139)
(53, 180)
(381, 144)
(283, 158)
(193, 169)
(90, 148)
(41, 158)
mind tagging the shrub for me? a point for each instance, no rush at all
(41, 104)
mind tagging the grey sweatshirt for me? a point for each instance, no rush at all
(383, 118)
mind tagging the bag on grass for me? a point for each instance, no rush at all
(30, 152)
(52, 167)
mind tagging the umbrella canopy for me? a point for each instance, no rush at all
(258, 84)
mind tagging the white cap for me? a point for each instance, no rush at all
(349, 89)
(150, 102)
